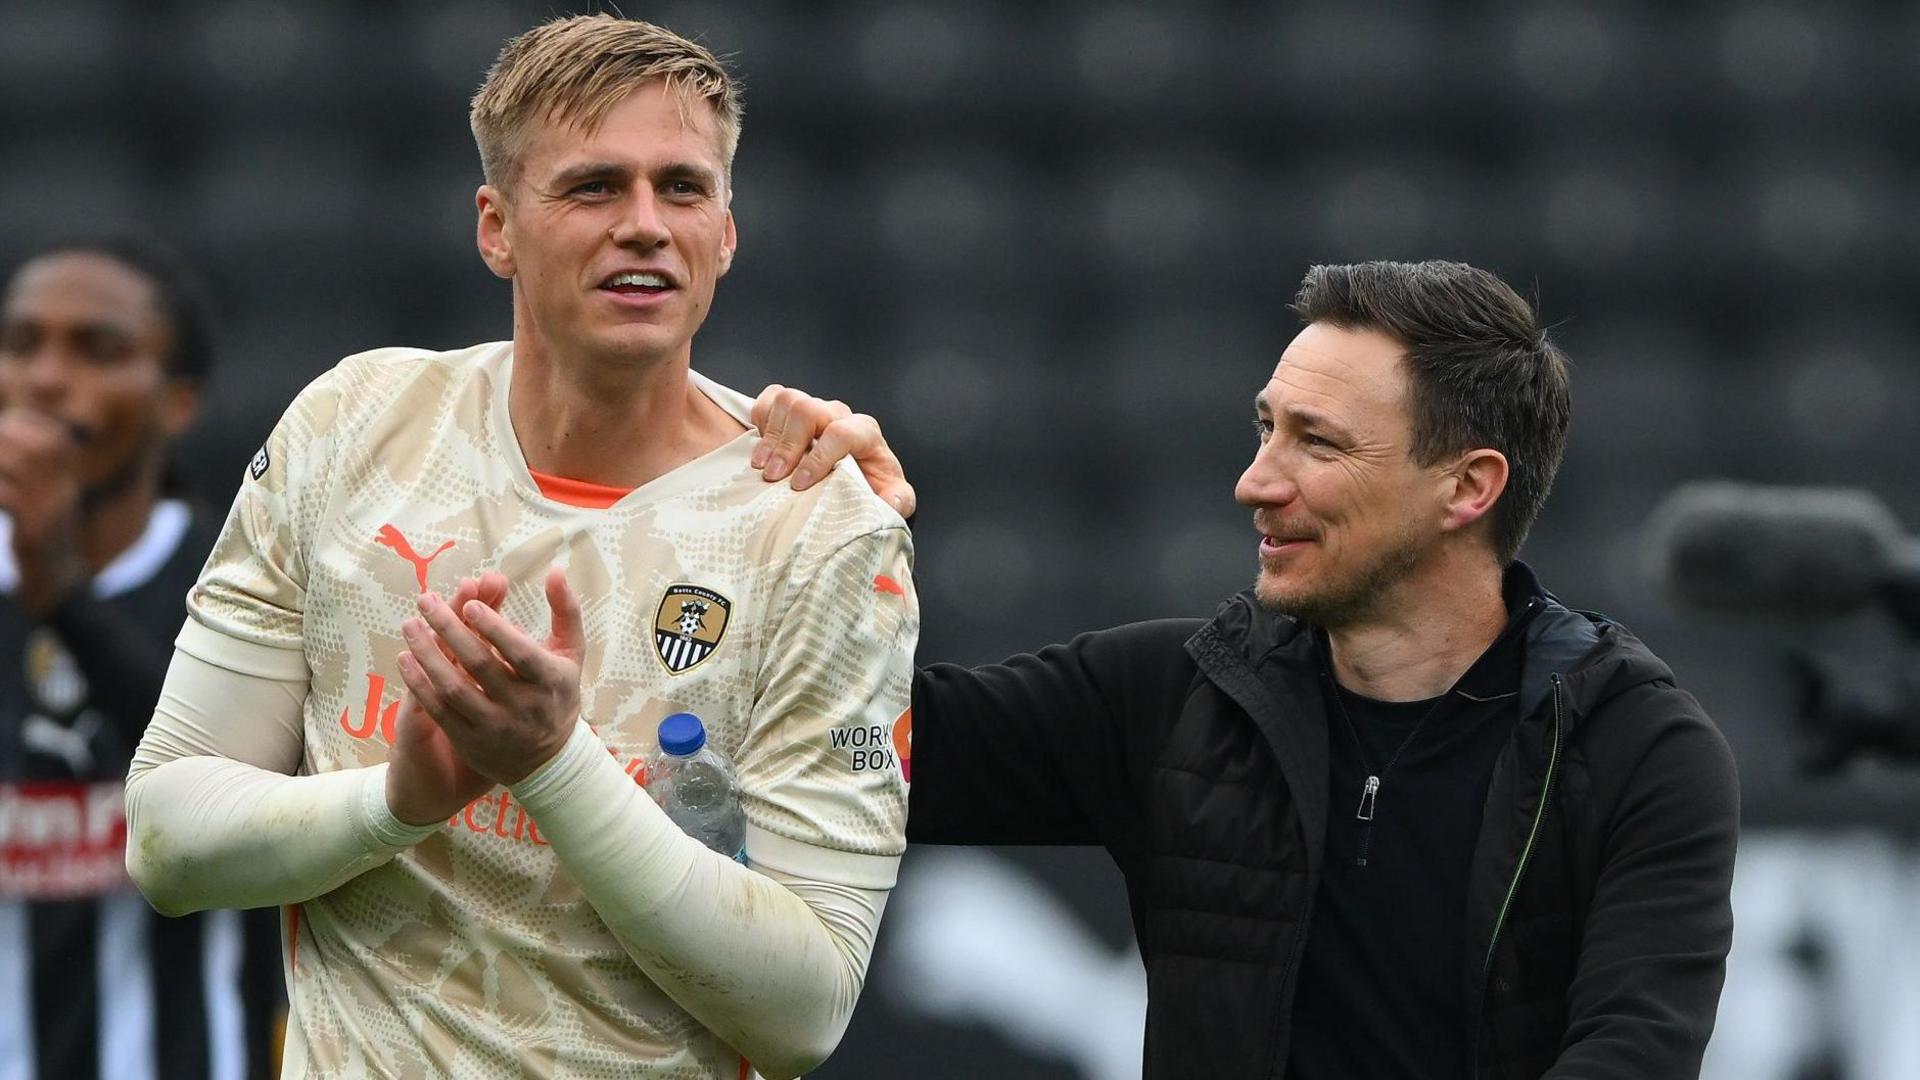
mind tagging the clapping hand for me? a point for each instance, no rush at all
(505, 701)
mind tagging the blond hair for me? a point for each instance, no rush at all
(576, 70)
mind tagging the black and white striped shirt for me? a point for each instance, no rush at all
(93, 982)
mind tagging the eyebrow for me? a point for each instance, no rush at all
(84, 328)
(588, 171)
(1309, 418)
(585, 171)
(1306, 417)
(102, 329)
(687, 170)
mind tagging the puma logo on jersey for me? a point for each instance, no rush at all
(392, 537)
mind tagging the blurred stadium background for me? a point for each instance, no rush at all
(1050, 244)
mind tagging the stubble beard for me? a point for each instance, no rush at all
(1353, 596)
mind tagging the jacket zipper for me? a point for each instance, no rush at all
(1287, 974)
(1526, 854)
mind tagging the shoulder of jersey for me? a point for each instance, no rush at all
(367, 381)
(846, 494)
(842, 498)
(400, 362)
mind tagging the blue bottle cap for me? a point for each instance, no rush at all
(682, 734)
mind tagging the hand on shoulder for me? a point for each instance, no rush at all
(803, 436)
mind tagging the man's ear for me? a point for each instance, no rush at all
(1478, 480)
(728, 243)
(179, 406)
(492, 233)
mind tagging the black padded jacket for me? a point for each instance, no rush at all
(1598, 918)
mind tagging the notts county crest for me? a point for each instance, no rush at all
(689, 625)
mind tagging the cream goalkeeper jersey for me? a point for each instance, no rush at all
(785, 620)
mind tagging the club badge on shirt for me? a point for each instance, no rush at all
(689, 625)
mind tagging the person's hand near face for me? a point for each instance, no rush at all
(87, 404)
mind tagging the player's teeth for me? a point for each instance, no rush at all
(652, 280)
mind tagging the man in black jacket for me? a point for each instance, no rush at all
(1396, 811)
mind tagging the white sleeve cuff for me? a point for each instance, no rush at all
(803, 860)
(387, 832)
(582, 752)
(240, 655)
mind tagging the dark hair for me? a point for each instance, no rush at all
(177, 293)
(1482, 372)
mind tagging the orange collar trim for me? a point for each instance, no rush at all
(578, 492)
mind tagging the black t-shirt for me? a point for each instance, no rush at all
(1381, 992)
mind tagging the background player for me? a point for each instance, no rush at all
(475, 882)
(104, 347)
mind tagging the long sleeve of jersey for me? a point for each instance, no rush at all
(770, 959)
(771, 962)
(215, 820)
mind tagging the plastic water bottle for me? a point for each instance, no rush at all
(694, 784)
